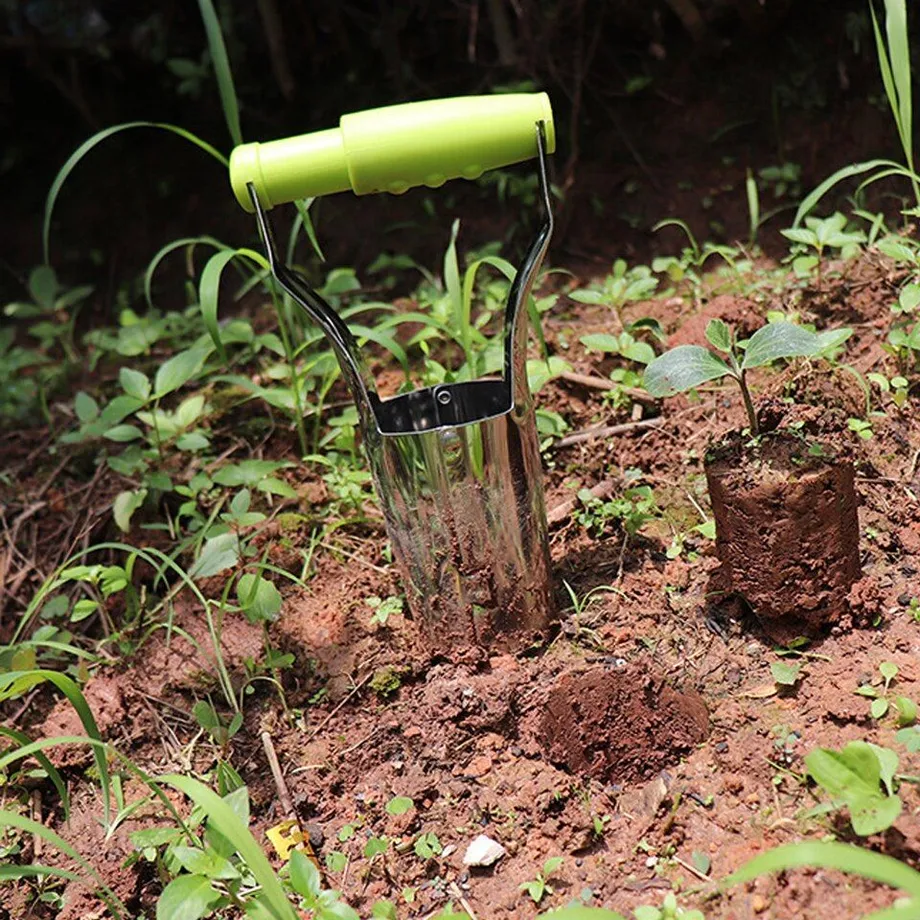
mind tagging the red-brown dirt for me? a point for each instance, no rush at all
(371, 715)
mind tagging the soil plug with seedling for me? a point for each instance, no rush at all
(787, 532)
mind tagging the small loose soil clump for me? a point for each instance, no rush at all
(619, 725)
(787, 532)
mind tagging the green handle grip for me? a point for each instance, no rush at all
(395, 148)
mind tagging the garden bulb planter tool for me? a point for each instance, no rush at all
(456, 466)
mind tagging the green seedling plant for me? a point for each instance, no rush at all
(905, 708)
(687, 367)
(862, 777)
(539, 887)
(669, 910)
(383, 608)
(620, 288)
(689, 265)
(821, 235)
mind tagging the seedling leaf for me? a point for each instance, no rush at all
(786, 675)
(399, 805)
(304, 875)
(852, 777)
(907, 710)
(188, 897)
(778, 340)
(719, 335)
(683, 368)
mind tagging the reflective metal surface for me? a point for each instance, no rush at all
(457, 470)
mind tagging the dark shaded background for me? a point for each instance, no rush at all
(660, 105)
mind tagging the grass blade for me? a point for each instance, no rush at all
(222, 817)
(209, 289)
(15, 681)
(154, 264)
(222, 72)
(840, 856)
(899, 57)
(303, 212)
(20, 822)
(88, 145)
(854, 169)
(54, 775)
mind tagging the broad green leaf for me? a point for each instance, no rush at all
(123, 433)
(124, 506)
(247, 472)
(222, 817)
(305, 878)
(601, 341)
(786, 674)
(85, 407)
(203, 862)
(134, 383)
(719, 335)
(259, 598)
(853, 776)
(399, 805)
(778, 340)
(188, 897)
(217, 555)
(683, 368)
(907, 710)
(178, 370)
(879, 707)
(43, 286)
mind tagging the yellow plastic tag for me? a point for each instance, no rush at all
(287, 836)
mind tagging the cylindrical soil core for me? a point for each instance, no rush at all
(787, 535)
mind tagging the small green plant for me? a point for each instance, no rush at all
(669, 910)
(632, 507)
(821, 235)
(688, 366)
(383, 608)
(620, 288)
(861, 778)
(881, 702)
(539, 887)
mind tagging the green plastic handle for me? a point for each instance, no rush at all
(395, 148)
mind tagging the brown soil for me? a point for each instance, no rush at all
(484, 747)
(618, 723)
(787, 534)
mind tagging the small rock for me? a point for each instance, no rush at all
(904, 600)
(721, 747)
(483, 851)
(753, 649)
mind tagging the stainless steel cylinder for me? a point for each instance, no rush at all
(465, 514)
